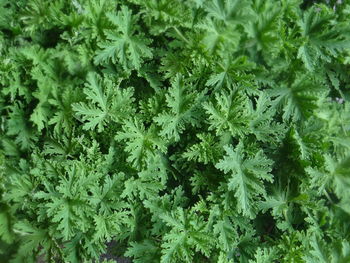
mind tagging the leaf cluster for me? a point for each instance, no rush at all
(184, 131)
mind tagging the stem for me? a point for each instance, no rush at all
(221, 66)
(328, 197)
(181, 35)
(58, 247)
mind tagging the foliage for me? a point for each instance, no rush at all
(183, 131)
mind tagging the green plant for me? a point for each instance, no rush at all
(187, 131)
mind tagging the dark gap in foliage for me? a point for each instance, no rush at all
(298, 218)
(114, 250)
(331, 3)
(265, 225)
(49, 38)
(8, 33)
(140, 85)
(307, 3)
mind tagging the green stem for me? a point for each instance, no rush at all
(328, 197)
(60, 252)
(181, 35)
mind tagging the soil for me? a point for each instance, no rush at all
(113, 249)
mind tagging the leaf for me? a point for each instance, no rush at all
(335, 176)
(323, 39)
(92, 115)
(228, 11)
(62, 119)
(299, 99)
(301, 144)
(126, 46)
(246, 176)
(181, 102)
(42, 111)
(32, 237)
(230, 73)
(106, 196)
(64, 217)
(229, 113)
(164, 14)
(141, 144)
(6, 228)
(319, 252)
(264, 28)
(219, 37)
(186, 235)
(143, 189)
(108, 227)
(205, 151)
(145, 251)
(264, 256)
(226, 234)
(18, 125)
(108, 104)
(262, 124)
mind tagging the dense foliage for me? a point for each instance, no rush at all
(185, 130)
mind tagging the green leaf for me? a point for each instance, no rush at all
(125, 45)
(181, 103)
(323, 38)
(262, 124)
(6, 233)
(145, 251)
(219, 37)
(226, 233)
(264, 256)
(298, 99)
(233, 11)
(108, 103)
(186, 236)
(18, 125)
(230, 112)
(335, 176)
(32, 238)
(141, 144)
(247, 174)
(206, 151)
